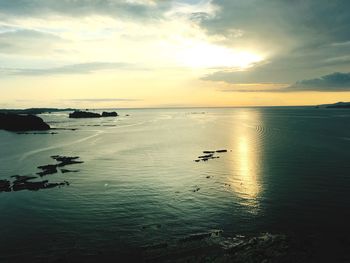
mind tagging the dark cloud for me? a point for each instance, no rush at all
(83, 68)
(115, 8)
(302, 38)
(335, 82)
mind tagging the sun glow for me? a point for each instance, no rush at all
(207, 55)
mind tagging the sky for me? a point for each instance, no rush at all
(159, 53)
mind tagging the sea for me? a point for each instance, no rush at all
(141, 183)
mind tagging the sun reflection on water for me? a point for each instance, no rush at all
(245, 170)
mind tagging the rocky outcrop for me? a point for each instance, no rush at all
(84, 114)
(34, 183)
(87, 114)
(16, 122)
(62, 161)
(109, 114)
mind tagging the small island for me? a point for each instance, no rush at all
(17, 122)
(87, 114)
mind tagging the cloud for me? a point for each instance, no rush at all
(298, 39)
(283, 69)
(23, 41)
(334, 82)
(82, 68)
(127, 9)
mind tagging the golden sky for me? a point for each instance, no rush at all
(143, 53)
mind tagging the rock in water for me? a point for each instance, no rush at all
(5, 186)
(87, 114)
(109, 114)
(84, 114)
(16, 122)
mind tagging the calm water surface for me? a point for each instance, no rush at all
(286, 170)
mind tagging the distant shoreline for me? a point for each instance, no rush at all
(49, 110)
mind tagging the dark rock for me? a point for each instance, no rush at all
(206, 156)
(22, 178)
(15, 122)
(68, 171)
(197, 161)
(64, 160)
(47, 169)
(221, 151)
(32, 186)
(84, 114)
(23, 183)
(53, 185)
(35, 186)
(196, 189)
(5, 186)
(87, 114)
(209, 152)
(109, 114)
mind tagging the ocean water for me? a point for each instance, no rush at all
(287, 170)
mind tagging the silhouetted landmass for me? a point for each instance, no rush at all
(16, 122)
(84, 114)
(87, 114)
(338, 105)
(34, 110)
(109, 114)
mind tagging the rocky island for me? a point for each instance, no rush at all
(17, 122)
(87, 114)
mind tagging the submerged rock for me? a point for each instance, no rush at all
(16, 122)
